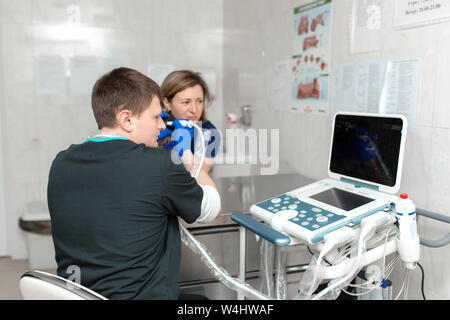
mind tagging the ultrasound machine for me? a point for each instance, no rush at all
(364, 169)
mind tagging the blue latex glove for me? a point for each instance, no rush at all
(166, 132)
(164, 115)
(181, 138)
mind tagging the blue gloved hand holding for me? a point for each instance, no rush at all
(181, 137)
(166, 132)
(164, 115)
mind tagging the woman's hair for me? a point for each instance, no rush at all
(179, 80)
(120, 89)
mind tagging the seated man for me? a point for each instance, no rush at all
(115, 199)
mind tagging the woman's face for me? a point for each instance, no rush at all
(187, 104)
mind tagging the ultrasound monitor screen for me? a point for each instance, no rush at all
(367, 148)
(341, 199)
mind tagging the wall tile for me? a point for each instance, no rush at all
(18, 11)
(438, 179)
(51, 12)
(417, 166)
(441, 114)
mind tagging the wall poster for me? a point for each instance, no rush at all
(311, 58)
(366, 26)
(389, 85)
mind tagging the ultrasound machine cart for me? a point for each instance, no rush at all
(364, 169)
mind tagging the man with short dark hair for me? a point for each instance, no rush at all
(115, 199)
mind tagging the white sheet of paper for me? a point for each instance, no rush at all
(280, 76)
(83, 74)
(419, 12)
(50, 75)
(378, 86)
(366, 26)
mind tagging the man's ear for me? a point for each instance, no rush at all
(126, 120)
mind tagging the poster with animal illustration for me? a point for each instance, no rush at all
(311, 58)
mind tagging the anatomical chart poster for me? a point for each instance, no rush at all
(311, 58)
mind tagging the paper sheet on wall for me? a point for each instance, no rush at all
(280, 82)
(420, 12)
(83, 74)
(50, 75)
(378, 86)
(311, 56)
(366, 26)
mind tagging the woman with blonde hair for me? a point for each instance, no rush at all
(184, 96)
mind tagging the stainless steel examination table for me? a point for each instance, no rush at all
(221, 238)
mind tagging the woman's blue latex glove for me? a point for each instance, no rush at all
(181, 138)
(166, 132)
(164, 115)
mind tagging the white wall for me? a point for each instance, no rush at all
(184, 33)
(3, 217)
(241, 40)
(258, 33)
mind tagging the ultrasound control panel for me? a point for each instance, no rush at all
(309, 213)
(301, 213)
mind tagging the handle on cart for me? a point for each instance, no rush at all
(261, 229)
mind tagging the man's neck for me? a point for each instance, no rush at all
(115, 131)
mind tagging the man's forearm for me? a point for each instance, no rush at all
(203, 178)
